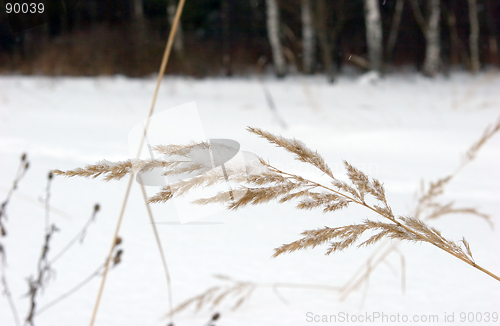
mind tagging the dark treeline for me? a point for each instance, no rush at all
(223, 37)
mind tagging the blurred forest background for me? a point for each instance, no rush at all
(224, 38)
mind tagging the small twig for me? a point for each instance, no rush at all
(97, 272)
(7, 293)
(215, 317)
(42, 278)
(47, 202)
(21, 171)
(70, 292)
(44, 268)
(79, 236)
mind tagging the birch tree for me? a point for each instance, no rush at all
(431, 30)
(273, 31)
(433, 48)
(373, 34)
(308, 37)
(474, 36)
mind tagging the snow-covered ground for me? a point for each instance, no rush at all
(400, 130)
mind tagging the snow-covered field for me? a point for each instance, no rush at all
(400, 130)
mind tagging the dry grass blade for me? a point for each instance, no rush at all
(114, 171)
(446, 209)
(329, 202)
(185, 169)
(256, 195)
(467, 247)
(213, 297)
(197, 301)
(181, 150)
(313, 238)
(302, 153)
(163, 196)
(265, 178)
(488, 133)
(358, 179)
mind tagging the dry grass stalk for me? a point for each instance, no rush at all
(80, 236)
(116, 260)
(21, 171)
(428, 206)
(44, 273)
(163, 66)
(235, 293)
(6, 291)
(44, 268)
(281, 186)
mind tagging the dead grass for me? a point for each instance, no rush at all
(280, 186)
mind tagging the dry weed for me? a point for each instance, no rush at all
(278, 185)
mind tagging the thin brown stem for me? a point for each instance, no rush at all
(108, 258)
(163, 66)
(160, 249)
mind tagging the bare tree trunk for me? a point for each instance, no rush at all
(474, 37)
(433, 48)
(273, 23)
(393, 35)
(179, 37)
(308, 37)
(325, 44)
(373, 34)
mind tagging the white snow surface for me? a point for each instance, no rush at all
(400, 130)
